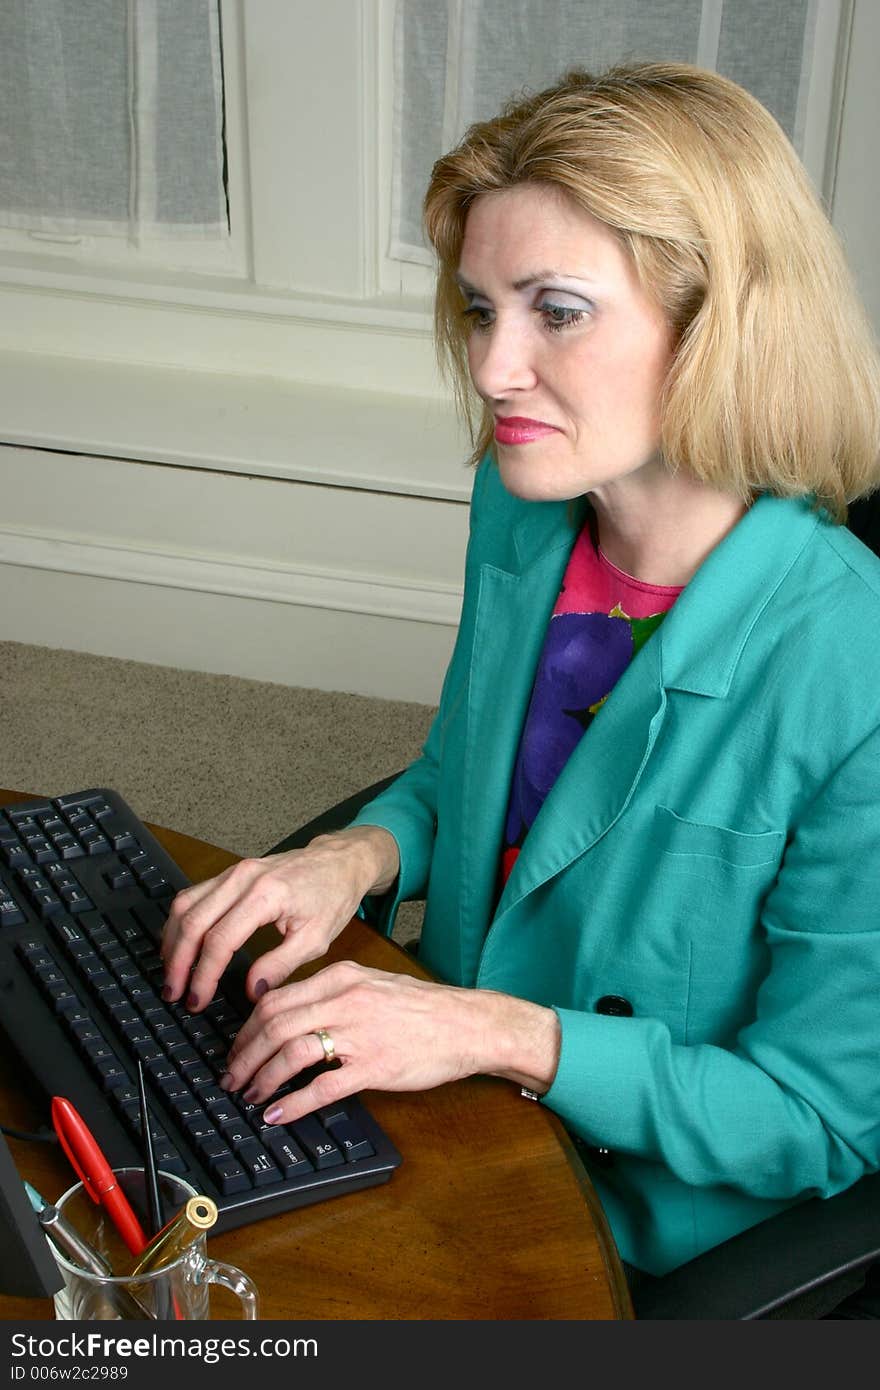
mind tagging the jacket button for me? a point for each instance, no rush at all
(615, 1005)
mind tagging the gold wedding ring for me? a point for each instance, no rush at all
(327, 1043)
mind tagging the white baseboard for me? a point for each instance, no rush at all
(326, 587)
(273, 583)
(319, 648)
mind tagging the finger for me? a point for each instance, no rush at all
(293, 1057)
(303, 940)
(182, 903)
(192, 912)
(317, 990)
(333, 1085)
(210, 930)
(220, 942)
(179, 966)
(288, 1034)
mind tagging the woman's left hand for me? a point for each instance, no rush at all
(391, 1033)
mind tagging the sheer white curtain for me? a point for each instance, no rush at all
(111, 118)
(457, 61)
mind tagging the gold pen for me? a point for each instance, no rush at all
(197, 1216)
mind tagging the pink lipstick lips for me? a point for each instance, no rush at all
(516, 429)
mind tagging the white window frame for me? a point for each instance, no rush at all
(156, 256)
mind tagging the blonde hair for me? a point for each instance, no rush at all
(775, 381)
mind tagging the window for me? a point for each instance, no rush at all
(311, 284)
(458, 61)
(112, 121)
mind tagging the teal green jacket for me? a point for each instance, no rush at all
(710, 852)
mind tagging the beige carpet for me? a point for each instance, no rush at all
(238, 762)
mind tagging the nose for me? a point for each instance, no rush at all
(501, 360)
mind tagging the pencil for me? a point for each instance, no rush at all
(154, 1201)
(166, 1303)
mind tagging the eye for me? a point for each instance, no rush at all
(559, 314)
(477, 315)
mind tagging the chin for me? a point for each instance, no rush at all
(534, 484)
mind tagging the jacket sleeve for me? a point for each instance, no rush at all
(793, 1107)
(408, 808)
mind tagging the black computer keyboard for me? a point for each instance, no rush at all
(84, 893)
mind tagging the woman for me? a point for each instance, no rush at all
(647, 816)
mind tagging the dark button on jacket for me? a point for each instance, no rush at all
(614, 1004)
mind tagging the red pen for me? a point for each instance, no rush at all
(97, 1176)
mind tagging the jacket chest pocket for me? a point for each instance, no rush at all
(695, 841)
(712, 882)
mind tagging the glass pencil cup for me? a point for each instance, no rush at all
(178, 1289)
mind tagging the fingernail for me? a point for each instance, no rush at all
(192, 1000)
(226, 1081)
(249, 1095)
(260, 988)
(167, 993)
(272, 1115)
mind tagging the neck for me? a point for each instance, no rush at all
(661, 532)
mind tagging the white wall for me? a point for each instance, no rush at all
(856, 196)
(257, 470)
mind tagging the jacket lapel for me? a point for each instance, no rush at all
(515, 600)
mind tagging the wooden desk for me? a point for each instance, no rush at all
(490, 1216)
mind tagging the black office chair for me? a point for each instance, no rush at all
(864, 521)
(783, 1262)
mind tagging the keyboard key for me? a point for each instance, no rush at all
(214, 1146)
(14, 855)
(199, 1128)
(117, 832)
(169, 1160)
(41, 851)
(162, 1072)
(320, 1145)
(351, 1140)
(235, 1131)
(195, 1027)
(46, 902)
(151, 917)
(229, 1176)
(76, 900)
(119, 878)
(223, 1111)
(63, 997)
(85, 1031)
(198, 1073)
(11, 914)
(286, 1152)
(112, 1074)
(213, 1048)
(187, 1106)
(254, 1158)
(51, 823)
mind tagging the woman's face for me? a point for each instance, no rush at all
(566, 348)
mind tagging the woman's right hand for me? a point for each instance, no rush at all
(309, 894)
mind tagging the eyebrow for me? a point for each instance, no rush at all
(539, 277)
